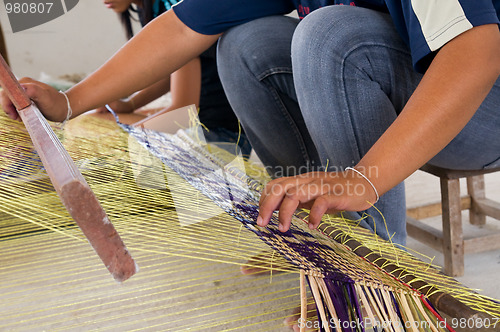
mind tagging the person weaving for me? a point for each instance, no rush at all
(348, 96)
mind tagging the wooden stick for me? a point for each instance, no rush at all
(406, 312)
(69, 183)
(319, 304)
(365, 303)
(328, 301)
(303, 300)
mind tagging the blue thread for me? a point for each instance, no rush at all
(113, 112)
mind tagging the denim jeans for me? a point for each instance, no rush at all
(351, 74)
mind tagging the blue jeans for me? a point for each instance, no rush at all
(351, 74)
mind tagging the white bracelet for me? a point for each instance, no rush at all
(366, 178)
(70, 111)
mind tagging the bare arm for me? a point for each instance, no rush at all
(454, 86)
(151, 93)
(162, 47)
(139, 99)
(184, 84)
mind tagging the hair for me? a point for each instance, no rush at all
(145, 15)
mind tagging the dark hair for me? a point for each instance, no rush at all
(145, 15)
(126, 18)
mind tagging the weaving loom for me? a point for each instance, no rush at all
(189, 247)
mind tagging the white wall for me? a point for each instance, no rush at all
(77, 42)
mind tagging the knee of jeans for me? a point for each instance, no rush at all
(228, 44)
(231, 50)
(335, 29)
(257, 45)
(243, 41)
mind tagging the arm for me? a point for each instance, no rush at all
(110, 82)
(139, 99)
(186, 85)
(186, 88)
(454, 86)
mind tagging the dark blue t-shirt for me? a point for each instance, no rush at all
(424, 25)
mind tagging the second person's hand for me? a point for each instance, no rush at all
(118, 106)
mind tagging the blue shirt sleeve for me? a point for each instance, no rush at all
(426, 26)
(210, 17)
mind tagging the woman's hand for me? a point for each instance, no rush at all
(50, 102)
(119, 106)
(321, 192)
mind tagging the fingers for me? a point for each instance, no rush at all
(275, 186)
(8, 106)
(269, 188)
(271, 199)
(286, 195)
(288, 207)
(319, 208)
(320, 192)
(32, 90)
(101, 109)
(50, 101)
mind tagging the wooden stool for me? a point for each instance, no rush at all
(450, 241)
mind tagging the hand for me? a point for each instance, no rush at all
(321, 192)
(119, 106)
(51, 103)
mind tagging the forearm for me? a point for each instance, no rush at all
(153, 92)
(454, 86)
(186, 85)
(159, 49)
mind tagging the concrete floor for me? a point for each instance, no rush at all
(481, 269)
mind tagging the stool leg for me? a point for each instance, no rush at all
(475, 188)
(453, 242)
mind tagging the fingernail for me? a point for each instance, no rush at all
(260, 222)
(281, 227)
(311, 226)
